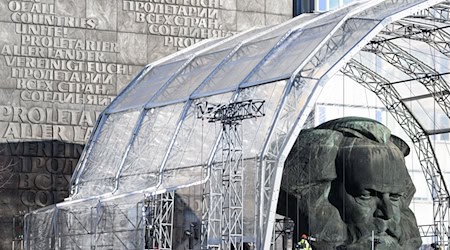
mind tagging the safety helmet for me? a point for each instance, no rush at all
(304, 236)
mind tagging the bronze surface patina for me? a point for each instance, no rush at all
(349, 179)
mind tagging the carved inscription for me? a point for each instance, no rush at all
(50, 67)
(181, 22)
(42, 170)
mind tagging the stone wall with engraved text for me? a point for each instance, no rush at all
(63, 61)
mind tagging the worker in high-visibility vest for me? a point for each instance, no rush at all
(303, 244)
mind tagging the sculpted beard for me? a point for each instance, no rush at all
(388, 232)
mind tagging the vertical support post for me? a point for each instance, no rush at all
(224, 228)
(215, 207)
(232, 219)
(165, 214)
(158, 217)
(205, 210)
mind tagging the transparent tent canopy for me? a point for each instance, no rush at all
(151, 140)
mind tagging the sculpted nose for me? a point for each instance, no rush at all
(384, 208)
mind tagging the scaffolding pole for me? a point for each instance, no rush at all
(223, 194)
(158, 217)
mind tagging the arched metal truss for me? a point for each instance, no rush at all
(150, 142)
(422, 144)
(417, 69)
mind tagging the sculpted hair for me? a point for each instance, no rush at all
(315, 162)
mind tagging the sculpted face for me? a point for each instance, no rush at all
(346, 179)
(368, 192)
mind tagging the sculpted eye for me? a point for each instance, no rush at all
(365, 196)
(395, 197)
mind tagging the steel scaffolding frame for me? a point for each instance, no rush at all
(225, 226)
(427, 231)
(431, 79)
(427, 25)
(437, 13)
(412, 28)
(91, 226)
(232, 177)
(283, 228)
(391, 99)
(288, 117)
(272, 158)
(158, 216)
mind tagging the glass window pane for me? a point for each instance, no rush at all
(322, 5)
(333, 4)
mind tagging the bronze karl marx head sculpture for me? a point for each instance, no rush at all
(346, 179)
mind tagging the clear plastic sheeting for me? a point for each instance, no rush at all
(194, 142)
(188, 80)
(39, 228)
(78, 227)
(142, 164)
(386, 9)
(236, 68)
(429, 114)
(300, 44)
(107, 151)
(89, 225)
(154, 140)
(146, 87)
(255, 130)
(347, 37)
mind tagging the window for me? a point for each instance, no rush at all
(379, 116)
(326, 5)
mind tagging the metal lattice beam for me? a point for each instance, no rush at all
(423, 73)
(413, 28)
(158, 217)
(271, 170)
(438, 13)
(233, 112)
(425, 152)
(222, 221)
(232, 178)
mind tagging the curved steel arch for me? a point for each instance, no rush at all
(391, 99)
(410, 65)
(327, 58)
(304, 78)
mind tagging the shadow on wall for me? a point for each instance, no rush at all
(187, 218)
(33, 175)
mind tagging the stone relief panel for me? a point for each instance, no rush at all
(63, 61)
